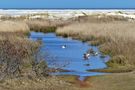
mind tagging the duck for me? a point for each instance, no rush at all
(63, 46)
(95, 53)
(86, 56)
(92, 52)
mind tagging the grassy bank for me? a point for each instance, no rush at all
(119, 81)
(115, 38)
(45, 25)
(20, 67)
(16, 51)
(49, 83)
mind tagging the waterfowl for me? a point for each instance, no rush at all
(92, 52)
(86, 56)
(95, 53)
(63, 46)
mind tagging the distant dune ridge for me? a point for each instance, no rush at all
(65, 14)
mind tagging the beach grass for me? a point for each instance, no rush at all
(14, 26)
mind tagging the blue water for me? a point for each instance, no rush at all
(70, 58)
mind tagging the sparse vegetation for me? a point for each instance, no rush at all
(20, 67)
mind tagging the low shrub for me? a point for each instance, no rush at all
(118, 60)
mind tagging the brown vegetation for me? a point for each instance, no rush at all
(115, 38)
(21, 66)
(41, 25)
(13, 26)
(34, 83)
(115, 81)
(18, 60)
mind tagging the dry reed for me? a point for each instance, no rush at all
(13, 26)
(115, 38)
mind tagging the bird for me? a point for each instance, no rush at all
(95, 53)
(86, 56)
(63, 46)
(92, 52)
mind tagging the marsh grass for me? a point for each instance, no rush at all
(99, 18)
(115, 81)
(15, 51)
(20, 67)
(45, 25)
(115, 38)
(18, 54)
(34, 83)
(118, 81)
(13, 26)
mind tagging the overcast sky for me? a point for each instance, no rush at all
(67, 3)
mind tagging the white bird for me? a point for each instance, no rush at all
(63, 46)
(87, 54)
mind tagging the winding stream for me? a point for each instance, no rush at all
(69, 58)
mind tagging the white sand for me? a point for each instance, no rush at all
(65, 14)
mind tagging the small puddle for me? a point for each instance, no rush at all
(69, 58)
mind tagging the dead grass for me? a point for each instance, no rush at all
(99, 18)
(50, 83)
(19, 66)
(13, 26)
(115, 38)
(124, 81)
(45, 25)
(116, 81)
(41, 26)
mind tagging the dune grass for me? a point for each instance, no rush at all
(115, 38)
(14, 26)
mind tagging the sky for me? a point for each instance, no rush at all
(67, 3)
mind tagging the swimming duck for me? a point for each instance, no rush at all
(92, 52)
(63, 46)
(86, 56)
(95, 53)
